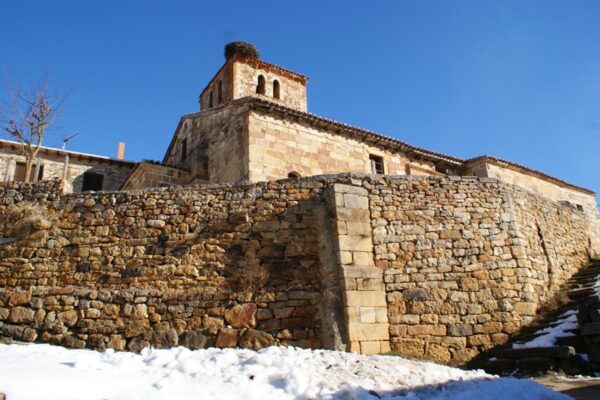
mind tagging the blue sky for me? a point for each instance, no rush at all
(516, 79)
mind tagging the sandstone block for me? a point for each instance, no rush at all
(17, 298)
(227, 338)
(356, 298)
(460, 330)
(438, 353)
(370, 347)
(241, 316)
(361, 332)
(409, 347)
(525, 308)
(256, 340)
(21, 315)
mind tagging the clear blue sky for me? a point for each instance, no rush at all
(515, 79)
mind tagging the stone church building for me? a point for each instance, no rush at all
(253, 125)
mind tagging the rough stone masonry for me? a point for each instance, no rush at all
(434, 267)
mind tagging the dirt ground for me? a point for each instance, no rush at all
(577, 388)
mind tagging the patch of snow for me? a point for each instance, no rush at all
(38, 371)
(547, 336)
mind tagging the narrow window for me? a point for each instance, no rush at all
(376, 164)
(260, 88)
(220, 92)
(183, 149)
(441, 169)
(579, 207)
(19, 175)
(92, 181)
(210, 100)
(407, 170)
(276, 89)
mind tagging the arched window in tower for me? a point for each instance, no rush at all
(276, 89)
(220, 92)
(210, 99)
(260, 88)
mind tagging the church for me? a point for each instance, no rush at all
(253, 125)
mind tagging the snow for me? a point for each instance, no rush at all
(38, 371)
(548, 336)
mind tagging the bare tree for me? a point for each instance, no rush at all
(26, 115)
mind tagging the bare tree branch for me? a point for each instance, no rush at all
(27, 115)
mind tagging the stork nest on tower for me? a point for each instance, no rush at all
(241, 49)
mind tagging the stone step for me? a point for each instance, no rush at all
(559, 352)
(590, 328)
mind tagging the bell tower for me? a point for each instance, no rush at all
(244, 74)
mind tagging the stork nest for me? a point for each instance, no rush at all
(242, 49)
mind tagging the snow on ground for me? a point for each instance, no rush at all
(38, 371)
(548, 336)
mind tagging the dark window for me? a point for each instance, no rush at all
(183, 149)
(92, 181)
(210, 99)
(20, 172)
(376, 164)
(260, 88)
(294, 175)
(579, 207)
(220, 92)
(276, 89)
(407, 169)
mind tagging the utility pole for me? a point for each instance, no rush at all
(64, 145)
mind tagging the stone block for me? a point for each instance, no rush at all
(241, 316)
(367, 314)
(438, 353)
(361, 228)
(525, 308)
(460, 330)
(21, 315)
(362, 258)
(227, 338)
(370, 347)
(409, 347)
(355, 243)
(17, 298)
(360, 332)
(343, 188)
(356, 298)
(426, 330)
(361, 272)
(356, 201)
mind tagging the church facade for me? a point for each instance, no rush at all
(253, 125)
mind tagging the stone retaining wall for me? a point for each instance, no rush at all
(468, 261)
(123, 269)
(433, 267)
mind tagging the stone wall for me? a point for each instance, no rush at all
(216, 143)
(434, 267)
(468, 261)
(278, 147)
(213, 266)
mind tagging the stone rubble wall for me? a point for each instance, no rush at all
(433, 267)
(468, 261)
(213, 266)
